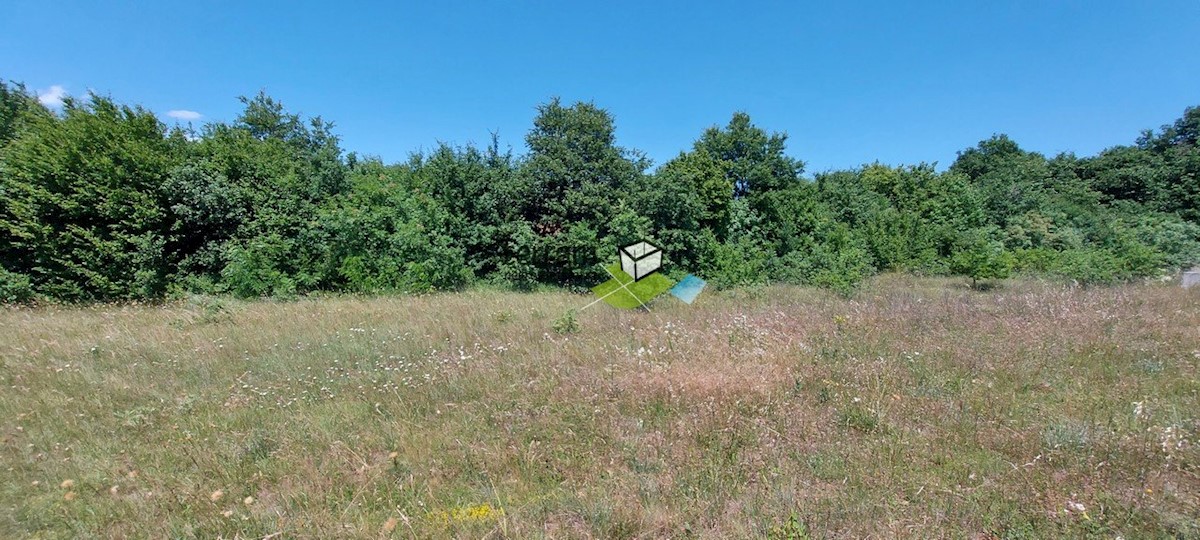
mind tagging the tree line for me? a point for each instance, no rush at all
(102, 201)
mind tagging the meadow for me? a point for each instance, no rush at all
(917, 408)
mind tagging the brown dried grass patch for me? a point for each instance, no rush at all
(702, 379)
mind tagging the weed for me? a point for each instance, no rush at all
(137, 417)
(1068, 435)
(825, 394)
(1149, 366)
(211, 309)
(567, 324)
(792, 529)
(257, 447)
(828, 467)
(860, 418)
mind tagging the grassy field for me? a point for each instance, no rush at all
(919, 408)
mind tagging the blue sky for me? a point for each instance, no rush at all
(850, 84)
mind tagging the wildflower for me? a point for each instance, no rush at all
(393, 455)
(481, 512)
(1171, 438)
(69, 496)
(248, 501)
(227, 513)
(67, 484)
(390, 524)
(113, 490)
(216, 495)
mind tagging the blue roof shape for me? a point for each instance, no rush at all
(688, 288)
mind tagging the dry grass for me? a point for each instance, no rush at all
(918, 409)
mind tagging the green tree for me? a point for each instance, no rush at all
(1010, 180)
(481, 192)
(1178, 186)
(385, 235)
(206, 210)
(256, 183)
(684, 198)
(576, 174)
(753, 160)
(102, 202)
(1125, 173)
(81, 210)
(982, 258)
(16, 107)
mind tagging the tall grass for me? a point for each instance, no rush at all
(919, 408)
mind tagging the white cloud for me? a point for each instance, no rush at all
(181, 114)
(53, 97)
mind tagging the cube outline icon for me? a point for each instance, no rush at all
(640, 259)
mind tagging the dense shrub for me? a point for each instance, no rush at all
(259, 268)
(14, 288)
(981, 257)
(1088, 266)
(102, 201)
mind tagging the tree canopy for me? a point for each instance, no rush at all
(103, 201)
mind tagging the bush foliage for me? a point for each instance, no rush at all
(102, 201)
